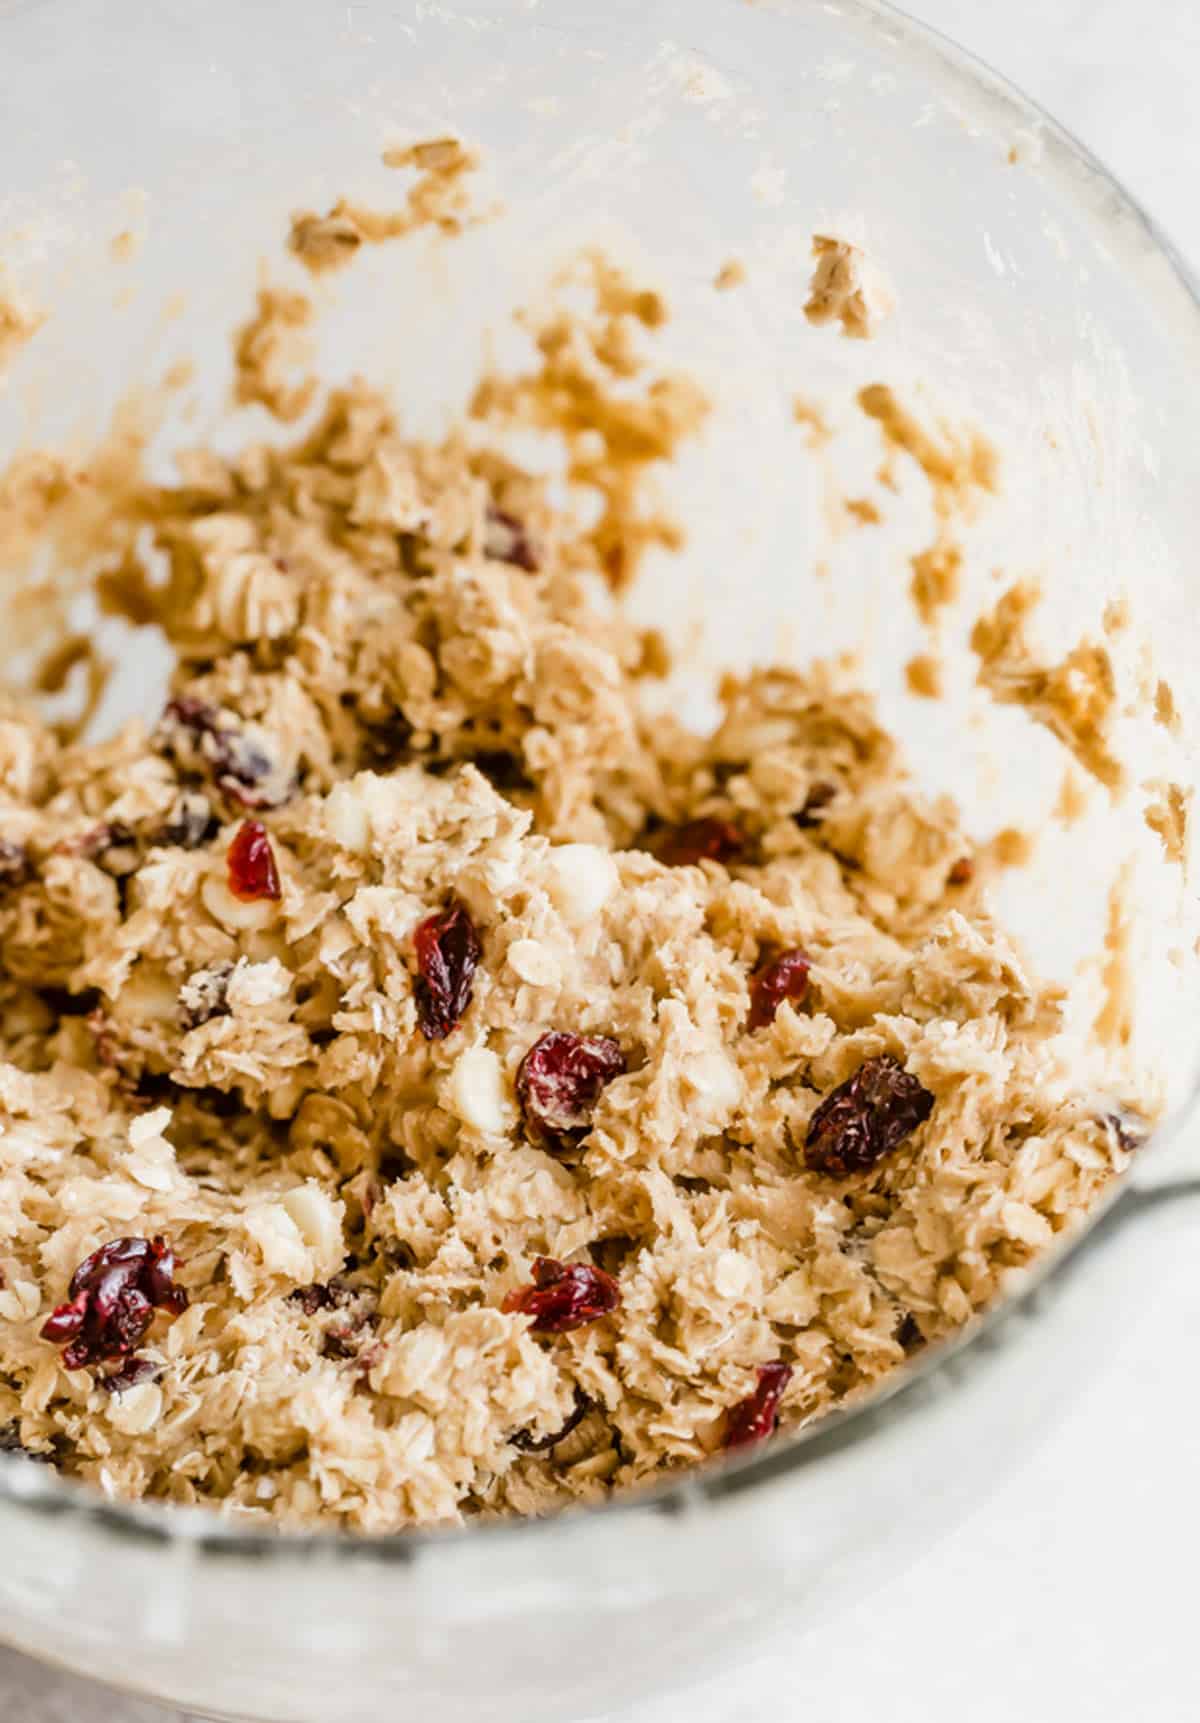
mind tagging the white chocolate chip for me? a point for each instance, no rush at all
(252, 985)
(475, 1092)
(348, 819)
(149, 1127)
(137, 1409)
(733, 1275)
(319, 1221)
(149, 996)
(232, 911)
(716, 1081)
(280, 1242)
(20, 1302)
(580, 879)
(533, 962)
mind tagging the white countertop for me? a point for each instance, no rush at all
(1069, 1596)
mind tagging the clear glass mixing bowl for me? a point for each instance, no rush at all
(1033, 299)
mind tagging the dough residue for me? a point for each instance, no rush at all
(1075, 699)
(268, 352)
(1167, 813)
(397, 708)
(18, 324)
(847, 288)
(439, 197)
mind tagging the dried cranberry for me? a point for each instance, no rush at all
(504, 772)
(448, 953)
(334, 1294)
(784, 977)
(239, 765)
(962, 872)
(865, 1118)
(559, 1083)
(11, 1443)
(131, 1374)
(96, 842)
(506, 540)
(909, 1333)
(701, 840)
(539, 1444)
(250, 863)
(191, 823)
(204, 995)
(15, 867)
(756, 1416)
(565, 1296)
(815, 803)
(112, 1299)
(1130, 1134)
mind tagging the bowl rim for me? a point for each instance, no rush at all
(204, 1531)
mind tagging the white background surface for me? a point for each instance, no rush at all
(1071, 1595)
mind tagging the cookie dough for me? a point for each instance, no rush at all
(434, 1083)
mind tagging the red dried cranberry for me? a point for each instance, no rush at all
(112, 1299)
(559, 1083)
(961, 872)
(701, 840)
(250, 863)
(756, 1416)
(865, 1118)
(565, 1296)
(539, 1444)
(506, 540)
(784, 977)
(448, 953)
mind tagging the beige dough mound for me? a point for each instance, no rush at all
(505, 1097)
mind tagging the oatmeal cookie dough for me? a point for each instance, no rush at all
(433, 1086)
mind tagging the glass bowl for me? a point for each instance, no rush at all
(1033, 299)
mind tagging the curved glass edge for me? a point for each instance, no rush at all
(27, 1485)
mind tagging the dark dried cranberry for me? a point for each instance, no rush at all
(250, 863)
(815, 803)
(962, 872)
(865, 1118)
(909, 1333)
(133, 1372)
(97, 841)
(506, 540)
(112, 1299)
(386, 741)
(701, 840)
(1130, 1134)
(504, 772)
(204, 995)
(335, 1294)
(191, 823)
(559, 1083)
(15, 866)
(240, 767)
(755, 1417)
(448, 953)
(784, 977)
(539, 1444)
(565, 1296)
(11, 1443)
